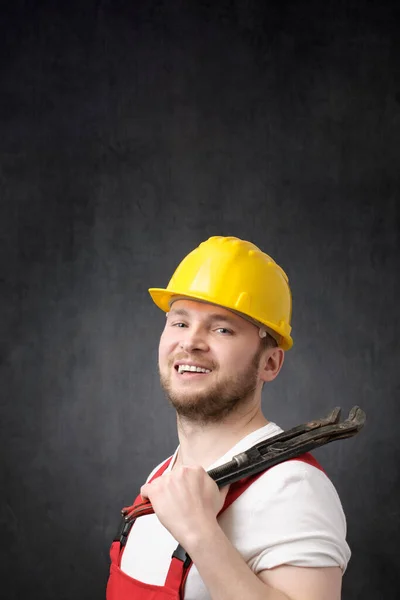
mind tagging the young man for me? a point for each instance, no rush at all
(227, 329)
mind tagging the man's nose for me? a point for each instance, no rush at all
(194, 339)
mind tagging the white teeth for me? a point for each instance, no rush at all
(192, 368)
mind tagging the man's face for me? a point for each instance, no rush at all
(223, 351)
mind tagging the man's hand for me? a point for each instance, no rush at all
(186, 501)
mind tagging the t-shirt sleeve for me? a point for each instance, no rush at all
(298, 520)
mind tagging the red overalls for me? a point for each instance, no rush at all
(123, 587)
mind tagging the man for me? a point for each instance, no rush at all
(227, 329)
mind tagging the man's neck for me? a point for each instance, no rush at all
(203, 444)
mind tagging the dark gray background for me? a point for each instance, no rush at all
(129, 133)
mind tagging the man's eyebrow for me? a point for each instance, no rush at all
(221, 317)
(181, 312)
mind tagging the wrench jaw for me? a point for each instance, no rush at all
(331, 419)
(357, 416)
(347, 428)
(354, 422)
(352, 425)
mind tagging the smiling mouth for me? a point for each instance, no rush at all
(191, 369)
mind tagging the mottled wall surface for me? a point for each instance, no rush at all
(130, 132)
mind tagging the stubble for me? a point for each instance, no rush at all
(219, 401)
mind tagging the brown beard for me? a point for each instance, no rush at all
(218, 402)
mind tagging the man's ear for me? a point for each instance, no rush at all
(271, 364)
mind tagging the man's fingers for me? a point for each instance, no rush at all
(144, 491)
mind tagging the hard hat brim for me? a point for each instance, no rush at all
(162, 297)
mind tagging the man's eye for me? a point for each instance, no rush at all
(179, 324)
(224, 330)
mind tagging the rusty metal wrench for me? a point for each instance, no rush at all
(277, 449)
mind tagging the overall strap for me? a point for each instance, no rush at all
(125, 528)
(237, 488)
(158, 473)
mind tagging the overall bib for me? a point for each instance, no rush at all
(123, 587)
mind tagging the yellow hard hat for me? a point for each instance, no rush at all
(236, 275)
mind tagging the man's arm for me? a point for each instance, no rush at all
(186, 502)
(227, 576)
(324, 583)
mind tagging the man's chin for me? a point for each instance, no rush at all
(187, 389)
(202, 408)
(178, 399)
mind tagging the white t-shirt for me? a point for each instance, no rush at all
(292, 514)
